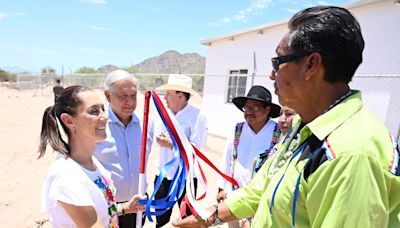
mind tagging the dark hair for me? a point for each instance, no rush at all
(335, 34)
(50, 134)
(187, 95)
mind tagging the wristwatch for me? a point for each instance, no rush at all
(217, 221)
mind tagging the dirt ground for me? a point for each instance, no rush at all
(21, 173)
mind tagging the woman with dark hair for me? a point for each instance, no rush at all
(77, 190)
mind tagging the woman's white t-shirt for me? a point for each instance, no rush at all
(68, 182)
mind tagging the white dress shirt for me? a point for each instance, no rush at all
(194, 123)
(120, 153)
(250, 146)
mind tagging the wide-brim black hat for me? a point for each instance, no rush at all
(258, 93)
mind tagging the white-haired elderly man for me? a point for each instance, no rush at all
(120, 152)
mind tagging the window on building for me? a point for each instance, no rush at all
(236, 84)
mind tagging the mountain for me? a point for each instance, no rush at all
(13, 69)
(107, 69)
(171, 62)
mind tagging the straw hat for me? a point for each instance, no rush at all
(258, 93)
(179, 82)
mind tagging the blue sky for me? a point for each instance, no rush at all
(93, 33)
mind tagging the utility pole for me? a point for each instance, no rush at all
(254, 68)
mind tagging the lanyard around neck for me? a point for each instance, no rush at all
(297, 152)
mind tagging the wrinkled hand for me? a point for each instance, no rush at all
(132, 205)
(221, 196)
(164, 140)
(189, 221)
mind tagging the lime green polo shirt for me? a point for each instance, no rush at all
(354, 188)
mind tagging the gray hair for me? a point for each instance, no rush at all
(119, 75)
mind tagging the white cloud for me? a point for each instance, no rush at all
(4, 15)
(28, 49)
(256, 7)
(323, 3)
(94, 1)
(290, 10)
(76, 50)
(156, 9)
(98, 28)
(59, 50)
(214, 24)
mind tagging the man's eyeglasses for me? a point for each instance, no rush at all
(252, 108)
(284, 59)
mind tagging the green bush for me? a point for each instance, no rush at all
(7, 77)
(86, 70)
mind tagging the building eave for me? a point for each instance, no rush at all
(258, 29)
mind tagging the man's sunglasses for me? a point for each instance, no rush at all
(284, 59)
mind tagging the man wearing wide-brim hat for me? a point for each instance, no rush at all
(258, 93)
(250, 141)
(191, 120)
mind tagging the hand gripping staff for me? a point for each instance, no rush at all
(187, 156)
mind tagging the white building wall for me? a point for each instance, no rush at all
(380, 25)
(381, 31)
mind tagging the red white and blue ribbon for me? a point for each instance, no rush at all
(395, 156)
(142, 168)
(188, 157)
(330, 154)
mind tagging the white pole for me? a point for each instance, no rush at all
(142, 191)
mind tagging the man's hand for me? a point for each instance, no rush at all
(221, 195)
(132, 205)
(164, 140)
(190, 221)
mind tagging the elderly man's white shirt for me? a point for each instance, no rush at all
(250, 146)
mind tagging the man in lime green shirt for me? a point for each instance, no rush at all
(339, 166)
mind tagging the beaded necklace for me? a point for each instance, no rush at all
(281, 158)
(294, 138)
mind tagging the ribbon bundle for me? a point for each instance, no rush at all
(188, 157)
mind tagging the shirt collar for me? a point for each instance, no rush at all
(326, 123)
(264, 128)
(182, 111)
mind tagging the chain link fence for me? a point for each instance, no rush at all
(29, 84)
(381, 93)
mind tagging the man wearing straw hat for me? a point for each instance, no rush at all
(191, 120)
(120, 152)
